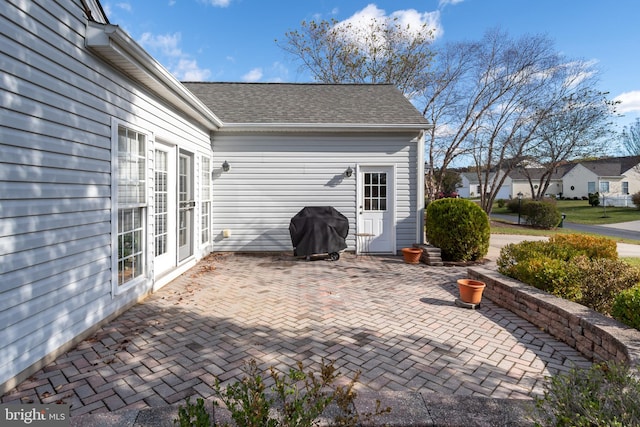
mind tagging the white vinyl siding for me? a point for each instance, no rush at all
(272, 177)
(56, 237)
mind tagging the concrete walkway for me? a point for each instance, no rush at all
(396, 323)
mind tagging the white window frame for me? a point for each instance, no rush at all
(604, 187)
(205, 199)
(143, 279)
(625, 187)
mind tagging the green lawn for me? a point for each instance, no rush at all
(580, 212)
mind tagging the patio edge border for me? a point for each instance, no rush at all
(409, 409)
(595, 335)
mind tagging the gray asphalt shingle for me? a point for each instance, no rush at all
(302, 103)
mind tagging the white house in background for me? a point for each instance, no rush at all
(112, 180)
(615, 179)
(471, 187)
(520, 181)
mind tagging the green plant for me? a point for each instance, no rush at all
(606, 394)
(459, 227)
(591, 246)
(297, 399)
(514, 204)
(635, 199)
(594, 199)
(601, 280)
(626, 307)
(193, 415)
(541, 214)
(584, 269)
(246, 399)
(501, 203)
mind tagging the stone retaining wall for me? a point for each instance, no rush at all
(596, 336)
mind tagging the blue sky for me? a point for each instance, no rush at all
(234, 40)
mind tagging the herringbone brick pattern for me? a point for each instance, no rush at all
(394, 322)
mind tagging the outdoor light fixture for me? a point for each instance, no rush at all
(519, 204)
(348, 172)
(225, 166)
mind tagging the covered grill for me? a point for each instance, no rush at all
(317, 230)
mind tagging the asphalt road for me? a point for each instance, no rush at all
(627, 230)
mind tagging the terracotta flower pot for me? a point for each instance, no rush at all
(471, 290)
(411, 255)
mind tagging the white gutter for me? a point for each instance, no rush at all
(115, 45)
(322, 127)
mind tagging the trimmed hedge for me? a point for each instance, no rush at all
(541, 214)
(459, 227)
(584, 269)
(626, 307)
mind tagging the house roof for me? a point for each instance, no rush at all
(536, 173)
(611, 166)
(309, 104)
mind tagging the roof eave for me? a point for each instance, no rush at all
(324, 127)
(117, 47)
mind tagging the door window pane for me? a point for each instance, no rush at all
(375, 191)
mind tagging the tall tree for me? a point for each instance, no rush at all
(380, 51)
(631, 138)
(579, 127)
(489, 100)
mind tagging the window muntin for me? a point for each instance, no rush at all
(132, 166)
(625, 187)
(375, 191)
(161, 202)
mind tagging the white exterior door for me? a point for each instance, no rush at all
(165, 209)
(376, 209)
(186, 205)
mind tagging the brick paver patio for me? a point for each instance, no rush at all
(397, 323)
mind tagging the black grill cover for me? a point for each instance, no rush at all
(318, 230)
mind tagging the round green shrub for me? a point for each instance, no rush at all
(626, 307)
(541, 214)
(635, 199)
(459, 227)
(514, 204)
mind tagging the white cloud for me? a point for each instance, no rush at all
(166, 48)
(444, 3)
(188, 70)
(361, 20)
(218, 3)
(124, 6)
(629, 102)
(253, 75)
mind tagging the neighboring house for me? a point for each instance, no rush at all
(615, 178)
(471, 187)
(520, 181)
(112, 181)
